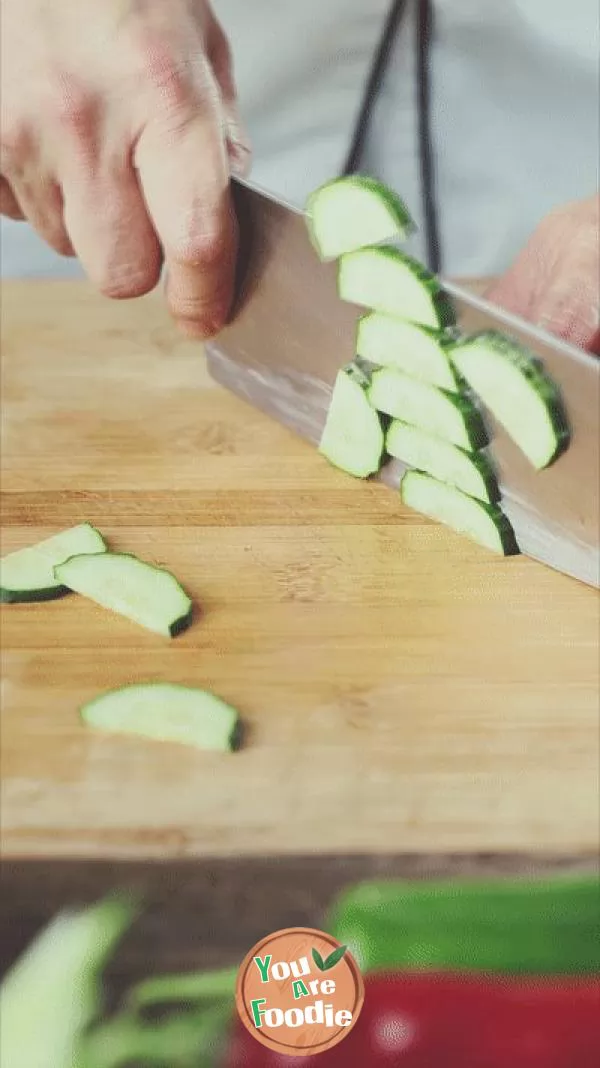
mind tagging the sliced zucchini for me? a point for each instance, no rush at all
(417, 350)
(166, 712)
(446, 415)
(353, 437)
(53, 992)
(387, 280)
(120, 582)
(517, 391)
(28, 574)
(470, 472)
(484, 523)
(351, 212)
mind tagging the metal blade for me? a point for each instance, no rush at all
(290, 333)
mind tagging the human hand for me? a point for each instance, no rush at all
(119, 130)
(555, 281)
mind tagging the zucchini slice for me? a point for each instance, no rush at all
(120, 582)
(470, 472)
(28, 574)
(348, 213)
(517, 391)
(166, 712)
(353, 437)
(53, 992)
(483, 523)
(417, 350)
(446, 415)
(387, 280)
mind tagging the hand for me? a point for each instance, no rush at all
(555, 282)
(119, 131)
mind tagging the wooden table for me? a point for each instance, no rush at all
(404, 689)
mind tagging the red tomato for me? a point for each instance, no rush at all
(428, 1020)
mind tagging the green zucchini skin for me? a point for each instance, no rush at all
(534, 378)
(70, 572)
(353, 438)
(20, 588)
(484, 516)
(443, 314)
(399, 223)
(53, 593)
(468, 471)
(415, 400)
(168, 713)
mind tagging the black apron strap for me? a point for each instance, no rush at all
(424, 33)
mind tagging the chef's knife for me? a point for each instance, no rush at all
(289, 334)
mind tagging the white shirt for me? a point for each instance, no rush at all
(515, 114)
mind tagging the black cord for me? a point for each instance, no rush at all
(424, 34)
(374, 83)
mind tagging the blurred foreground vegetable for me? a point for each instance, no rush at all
(447, 1021)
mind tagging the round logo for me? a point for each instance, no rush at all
(299, 992)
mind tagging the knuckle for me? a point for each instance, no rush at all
(73, 108)
(14, 143)
(125, 284)
(206, 249)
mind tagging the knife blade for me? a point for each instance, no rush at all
(289, 334)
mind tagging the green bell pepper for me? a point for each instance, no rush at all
(519, 927)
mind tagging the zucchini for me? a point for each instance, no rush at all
(28, 574)
(416, 350)
(518, 392)
(166, 712)
(446, 415)
(484, 523)
(53, 992)
(353, 436)
(387, 280)
(348, 213)
(189, 987)
(120, 582)
(470, 472)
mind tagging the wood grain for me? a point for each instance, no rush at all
(403, 689)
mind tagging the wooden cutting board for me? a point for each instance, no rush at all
(403, 689)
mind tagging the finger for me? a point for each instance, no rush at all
(9, 204)
(221, 61)
(40, 202)
(184, 174)
(110, 229)
(555, 281)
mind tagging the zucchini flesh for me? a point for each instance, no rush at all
(517, 391)
(166, 712)
(28, 574)
(348, 213)
(353, 437)
(387, 280)
(483, 523)
(446, 415)
(120, 582)
(470, 472)
(53, 992)
(416, 350)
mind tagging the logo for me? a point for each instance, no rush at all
(299, 992)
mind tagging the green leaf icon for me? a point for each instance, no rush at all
(334, 958)
(320, 963)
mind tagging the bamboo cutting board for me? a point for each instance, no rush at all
(403, 689)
